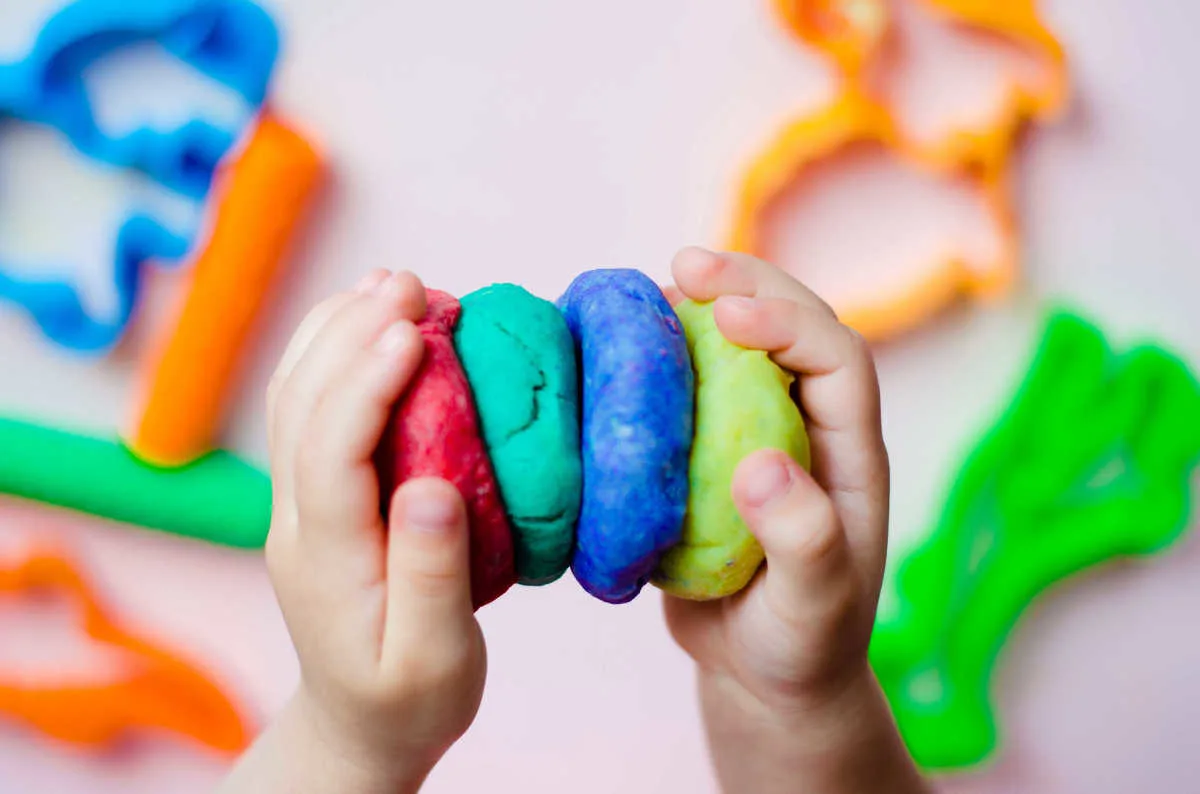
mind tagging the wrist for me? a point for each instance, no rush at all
(841, 739)
(336, 754)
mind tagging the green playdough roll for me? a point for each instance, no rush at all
(520, 361)
(743, 405)
(219, 498)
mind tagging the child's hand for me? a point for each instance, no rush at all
(392, 659)
(788, 696)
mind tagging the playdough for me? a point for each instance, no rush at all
(264, 193)
(637, 429)
(1092, 462)
(435, 433)
(520, 361)
(219, 498)
(743, 404)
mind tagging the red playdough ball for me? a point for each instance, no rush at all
(435, 433)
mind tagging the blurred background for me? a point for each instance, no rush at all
(530, 140)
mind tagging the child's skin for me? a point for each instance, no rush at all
(392, 659)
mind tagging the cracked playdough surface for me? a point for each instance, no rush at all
(520, 361)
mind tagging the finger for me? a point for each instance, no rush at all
(697, 627)
(704, 276)
(673, 295)
(810, 577)
(308, 330)
(353, 326)
(839, 392)
(311, 326)
(428, 567)
(336, 477)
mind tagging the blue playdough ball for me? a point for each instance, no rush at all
(637, 394)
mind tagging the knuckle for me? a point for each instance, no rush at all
(816, 537)
(275, 558)
(819, 544)
(413, 342)
(858, 345)
(434, 579)
(823, 307)
(311, 455)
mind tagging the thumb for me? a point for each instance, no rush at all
(810, 576)
(428, 564)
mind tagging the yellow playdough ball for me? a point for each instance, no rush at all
(743, 405)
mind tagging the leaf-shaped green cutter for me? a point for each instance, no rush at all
(1093, 461)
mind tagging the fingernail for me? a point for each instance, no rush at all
(433, 516)
(771, 481)
(738, 303)
(369, 282)
(394, 338)
(389, 287)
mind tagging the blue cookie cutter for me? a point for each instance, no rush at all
(234, 42)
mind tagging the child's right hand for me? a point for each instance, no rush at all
(392, 660)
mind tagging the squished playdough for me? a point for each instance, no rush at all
(520, 361)
(743, 405)
(435, 433)
(637, 399)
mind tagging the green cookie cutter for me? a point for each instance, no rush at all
(1092, 462)
(219, 498)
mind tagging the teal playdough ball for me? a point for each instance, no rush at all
(743, 405)
(520, 361)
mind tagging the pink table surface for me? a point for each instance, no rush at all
(529, 140)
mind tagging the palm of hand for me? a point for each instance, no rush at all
(757, 644)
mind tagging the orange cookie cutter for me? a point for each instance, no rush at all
(161, 693)
(264, 195)
(852, 34)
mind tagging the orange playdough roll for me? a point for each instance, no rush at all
(266, 191)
